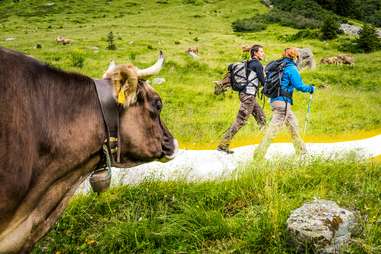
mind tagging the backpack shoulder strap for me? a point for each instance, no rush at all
(245, 62)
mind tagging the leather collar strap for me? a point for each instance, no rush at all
(110, 113)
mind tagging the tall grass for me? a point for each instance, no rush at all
(244, 214)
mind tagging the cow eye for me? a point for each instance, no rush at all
(158, 105)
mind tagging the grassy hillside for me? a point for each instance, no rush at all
(349, 104)
(246, 214)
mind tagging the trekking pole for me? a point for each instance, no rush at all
(308, 114)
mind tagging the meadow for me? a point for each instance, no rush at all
(349, 103)
(245, 214)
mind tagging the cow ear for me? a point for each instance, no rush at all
(125, 81)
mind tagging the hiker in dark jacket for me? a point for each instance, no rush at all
(281, 106)
(249, 105)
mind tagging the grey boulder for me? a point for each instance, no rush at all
(321, 226)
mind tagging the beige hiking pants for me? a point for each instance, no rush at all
(279, 118)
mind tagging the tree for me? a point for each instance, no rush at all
(110, 41)
(368, 40)
(329, 28)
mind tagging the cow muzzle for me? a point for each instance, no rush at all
(167, 157)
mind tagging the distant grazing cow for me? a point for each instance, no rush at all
(193, 52)
(63, 41)
(52, 130)
(340, 59)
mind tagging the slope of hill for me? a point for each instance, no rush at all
(349, 104)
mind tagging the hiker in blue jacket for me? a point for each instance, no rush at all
(281, 106)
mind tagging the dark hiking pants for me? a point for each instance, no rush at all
(249, 106)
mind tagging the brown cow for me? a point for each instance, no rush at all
(51, 136)
(194, 50)
(62, 40)
(340, 59)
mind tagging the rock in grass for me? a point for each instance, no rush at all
(306, 59)
(267, 3)
(378, 31)
(321, 226)
(350, 29)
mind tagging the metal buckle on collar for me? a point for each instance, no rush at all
(114, 148)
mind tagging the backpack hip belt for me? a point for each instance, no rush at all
(284, 93)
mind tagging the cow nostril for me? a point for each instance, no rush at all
(171, 152)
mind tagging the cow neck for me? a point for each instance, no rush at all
(110, 113)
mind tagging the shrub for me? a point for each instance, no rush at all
(286, 13)
(368, 40)
(248, 25)
(110, 41)
(292, 19)
(375, 18)
(313, 11)
(365, 10)
(329, 28)
(303, 34)
(349, 46)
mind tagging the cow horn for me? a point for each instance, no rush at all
(110, 69)
(154, 69)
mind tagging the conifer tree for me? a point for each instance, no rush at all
(329, 28)
(368, 40)
(110, 41)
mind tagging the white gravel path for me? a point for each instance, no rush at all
(209, 164)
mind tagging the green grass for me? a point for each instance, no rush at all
(245, 214)
(191, 111)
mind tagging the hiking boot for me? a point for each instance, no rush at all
(225, 149)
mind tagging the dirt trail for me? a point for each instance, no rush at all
(210, 164)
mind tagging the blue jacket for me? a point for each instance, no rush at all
(291, 79)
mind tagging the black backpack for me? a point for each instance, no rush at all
(241, 76)
(274, 73)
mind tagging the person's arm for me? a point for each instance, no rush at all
(297, 82)
(261, 74)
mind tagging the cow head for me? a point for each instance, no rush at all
(143, 135)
